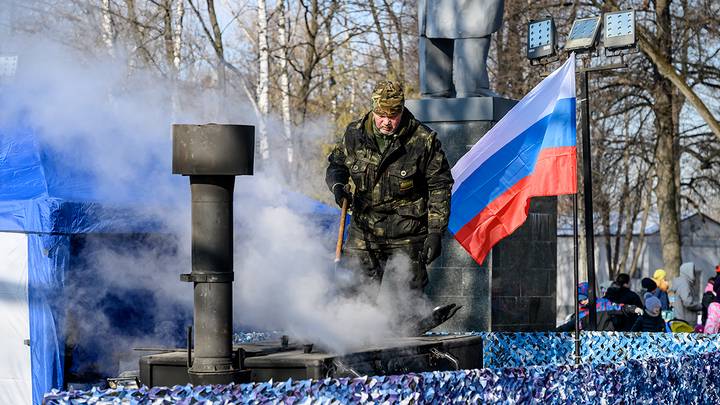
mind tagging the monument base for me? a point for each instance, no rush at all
(514, 289)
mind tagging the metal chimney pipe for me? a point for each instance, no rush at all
(212, 155)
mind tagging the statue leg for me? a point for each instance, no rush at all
(436, 56)
(470, 67)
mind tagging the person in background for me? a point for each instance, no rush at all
(659, 279)
(707, 298)
(650, 320)
(649, 285)
(620, 293)
(687, 302)
(624, 295)
(609, 314)
(713, 320)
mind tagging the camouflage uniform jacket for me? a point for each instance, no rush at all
(400, 195)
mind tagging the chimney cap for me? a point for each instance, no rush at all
(213, 149)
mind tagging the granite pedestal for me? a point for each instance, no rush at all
(514, 289)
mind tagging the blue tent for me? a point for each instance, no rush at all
(45, 202)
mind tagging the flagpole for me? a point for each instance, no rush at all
(577, 276)
(587, 183)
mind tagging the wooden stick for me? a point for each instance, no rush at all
(341, 231)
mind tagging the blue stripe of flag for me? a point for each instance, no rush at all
(512, 163)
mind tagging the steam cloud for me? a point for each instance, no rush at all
(286, 280)
(113, 125)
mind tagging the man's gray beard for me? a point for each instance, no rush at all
(384, 132)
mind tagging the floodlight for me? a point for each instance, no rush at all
(541, 38)
(619, 29)
(583, 34)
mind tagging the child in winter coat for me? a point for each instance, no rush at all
(713, 320)
(662, 288)
(707, 298)
(650, 320)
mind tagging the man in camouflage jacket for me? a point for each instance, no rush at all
(402, 183)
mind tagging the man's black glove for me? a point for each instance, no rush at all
(432, 246)
(341, 193)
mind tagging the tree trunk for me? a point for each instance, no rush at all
(397, 23)
(177, 44)
(380, 30)
(618, 264)
(108, 27)
(665, 155)
(220, 53)
(285, 84)
(332, 88)
(172, 37)
(137, 34)
(310, 59)
(172, 34)
(177, 34)
(633, 210)
(168, 36)
(607, 239)
(263, 79)
(647, 201)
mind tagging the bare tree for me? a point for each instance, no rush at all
(380, 29)
(655, 147)
(283, 41)
(668, 90)
(138, 32)
(263, 98)
(108, 27)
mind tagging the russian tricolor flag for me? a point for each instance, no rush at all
(529, 153)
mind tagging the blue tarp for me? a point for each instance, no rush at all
(50, 199)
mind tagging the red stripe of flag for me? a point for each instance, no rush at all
(554, 174)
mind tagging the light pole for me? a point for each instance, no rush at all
(619, 34)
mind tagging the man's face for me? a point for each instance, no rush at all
(387, 124)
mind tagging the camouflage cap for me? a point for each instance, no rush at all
(388, 98)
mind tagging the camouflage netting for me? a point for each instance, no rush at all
(543, 348)
(691, 379)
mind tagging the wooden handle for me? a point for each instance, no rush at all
(341, 231)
